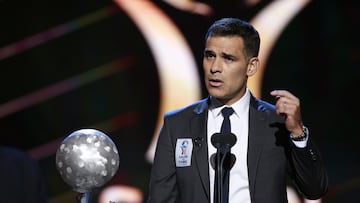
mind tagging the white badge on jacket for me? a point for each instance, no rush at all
(183, 151)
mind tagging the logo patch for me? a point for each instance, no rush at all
(183, 151)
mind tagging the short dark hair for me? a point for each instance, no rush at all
(237, 27)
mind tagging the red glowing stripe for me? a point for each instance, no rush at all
(64, 86)
(108, 126)
(56, 32)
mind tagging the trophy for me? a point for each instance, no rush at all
(87, 159)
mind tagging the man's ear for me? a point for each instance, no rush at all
(253, 66)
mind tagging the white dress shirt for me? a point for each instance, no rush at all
(239, 181)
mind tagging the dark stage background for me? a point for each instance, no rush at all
(72, 64)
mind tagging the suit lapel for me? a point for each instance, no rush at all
(254, 143)
(198, 132)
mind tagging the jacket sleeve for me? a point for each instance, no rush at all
(309, 172)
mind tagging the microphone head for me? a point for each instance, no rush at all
(219, 139)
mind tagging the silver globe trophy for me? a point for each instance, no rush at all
(87, 159)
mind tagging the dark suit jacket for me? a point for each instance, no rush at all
(272, 158)
(21, 178)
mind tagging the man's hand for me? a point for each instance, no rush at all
(289, 105)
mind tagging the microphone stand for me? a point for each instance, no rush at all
(221, 141)
(219, 177)
(84, 197)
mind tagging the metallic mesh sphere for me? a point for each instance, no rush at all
(87, 159)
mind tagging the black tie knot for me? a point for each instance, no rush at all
(227, 111)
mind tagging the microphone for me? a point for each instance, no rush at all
(223, 143)
(219, 140)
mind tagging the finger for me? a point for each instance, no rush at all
(288, 100)
(284, 100)
(286, 108)
(282, 93)
(280, 106)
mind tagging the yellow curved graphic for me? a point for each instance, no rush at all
(270, 22)
(179, 80)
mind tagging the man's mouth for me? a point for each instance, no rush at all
(215, 83)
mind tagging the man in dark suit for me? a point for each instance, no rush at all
(272, 143)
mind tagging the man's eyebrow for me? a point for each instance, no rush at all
(227, 55)
(207, 51)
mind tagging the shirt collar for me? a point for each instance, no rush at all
(240, 107)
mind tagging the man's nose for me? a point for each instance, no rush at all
(216, 66)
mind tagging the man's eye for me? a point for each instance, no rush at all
(229, 59)
(209, 55)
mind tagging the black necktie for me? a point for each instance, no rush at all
(226, 129)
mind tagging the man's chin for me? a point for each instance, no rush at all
(217, 93)
(219, 97)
